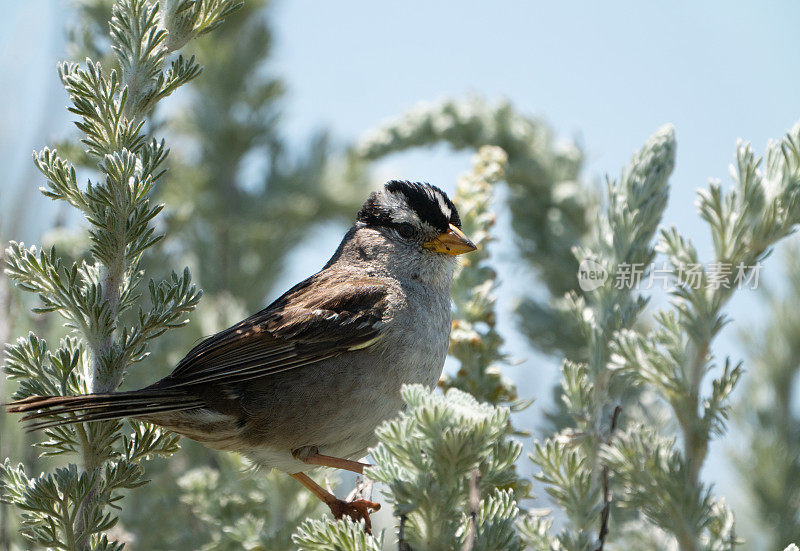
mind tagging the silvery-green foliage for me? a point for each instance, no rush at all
(447, 466)
(260, 515)
(769, 459)
(637, 534)
(550, 209)
(426, 458)
(474, 339)
(101, 296)
(768, 456)
(342, 535)
(245, 201)
(623, 235)
(534, 529)
(187, 19)
(674, 358)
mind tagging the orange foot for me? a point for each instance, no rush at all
(357, 510)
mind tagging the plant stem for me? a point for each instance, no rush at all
(104, 378)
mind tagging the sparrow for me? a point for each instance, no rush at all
(305, 382)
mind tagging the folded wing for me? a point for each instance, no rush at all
(324, 316)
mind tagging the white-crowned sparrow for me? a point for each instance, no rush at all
(307, 380)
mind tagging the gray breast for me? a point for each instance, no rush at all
(420, 335)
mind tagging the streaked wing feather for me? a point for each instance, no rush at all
(323, 316)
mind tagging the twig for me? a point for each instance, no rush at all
(362, 490)
(402, 544)
(606, 512)
(474, 502)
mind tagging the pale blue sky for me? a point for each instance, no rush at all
(608, 73)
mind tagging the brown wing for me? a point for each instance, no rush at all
(304, 326)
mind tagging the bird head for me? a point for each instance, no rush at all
(415, 216)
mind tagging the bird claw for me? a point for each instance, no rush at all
(359, 509)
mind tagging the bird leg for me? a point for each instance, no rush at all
(356, 510)
(336, 463)
(311, 456)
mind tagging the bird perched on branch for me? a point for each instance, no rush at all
(305, 381)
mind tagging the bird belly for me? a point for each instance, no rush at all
(337, 404)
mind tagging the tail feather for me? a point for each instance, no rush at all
(54, 405)
(105, 416)
(53, 411)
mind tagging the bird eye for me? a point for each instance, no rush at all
(405, 230)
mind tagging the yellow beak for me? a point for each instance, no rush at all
(452, 242)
